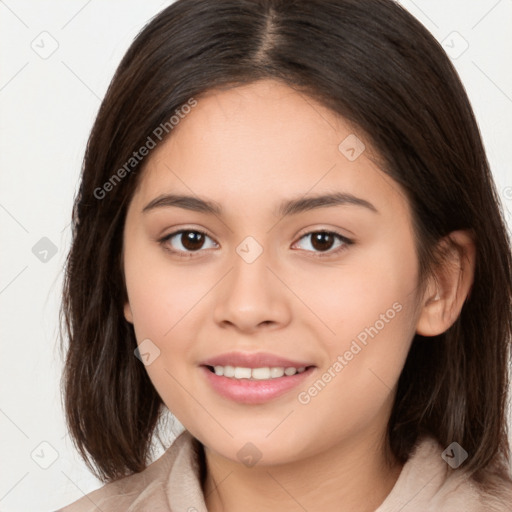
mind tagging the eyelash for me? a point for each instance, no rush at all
(346, 242)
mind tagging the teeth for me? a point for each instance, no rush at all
(229, 371)
(242, 373)
(265, 373)
(276, 372)
(261, 373)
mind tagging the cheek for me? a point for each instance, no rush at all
(169, 301)
(369, 307)
(165, 302)
(161, 293)
(365, 289)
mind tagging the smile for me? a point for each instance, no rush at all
(254, 385)
(264, 373)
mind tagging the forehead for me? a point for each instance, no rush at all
(250, 144)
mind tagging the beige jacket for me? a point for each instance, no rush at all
(172, 484)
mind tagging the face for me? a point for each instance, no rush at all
(273, 275)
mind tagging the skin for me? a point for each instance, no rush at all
(248, 148)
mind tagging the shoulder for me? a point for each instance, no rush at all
(147, 487)
(428, 482)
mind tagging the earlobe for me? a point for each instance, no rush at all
(128, 312)
(447, 291)
(433, 311)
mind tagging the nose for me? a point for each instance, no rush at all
(251, 298)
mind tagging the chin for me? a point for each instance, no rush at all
(258, 447)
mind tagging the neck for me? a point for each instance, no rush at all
(356, 475)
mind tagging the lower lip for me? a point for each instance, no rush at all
(247, 391)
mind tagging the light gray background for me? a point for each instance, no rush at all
(48, 104)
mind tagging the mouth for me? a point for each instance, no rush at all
(262, 373)
(254, 385)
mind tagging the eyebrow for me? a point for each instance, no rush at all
(287, 207)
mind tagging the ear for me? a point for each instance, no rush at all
(449, 287)
(128, 312)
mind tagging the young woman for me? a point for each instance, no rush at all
(287, 234)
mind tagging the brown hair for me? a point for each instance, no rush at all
(371, 62)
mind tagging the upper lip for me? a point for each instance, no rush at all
(253, 360)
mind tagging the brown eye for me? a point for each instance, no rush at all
(186, 241)
(322, 241)
(192, 240)
(328, 242)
